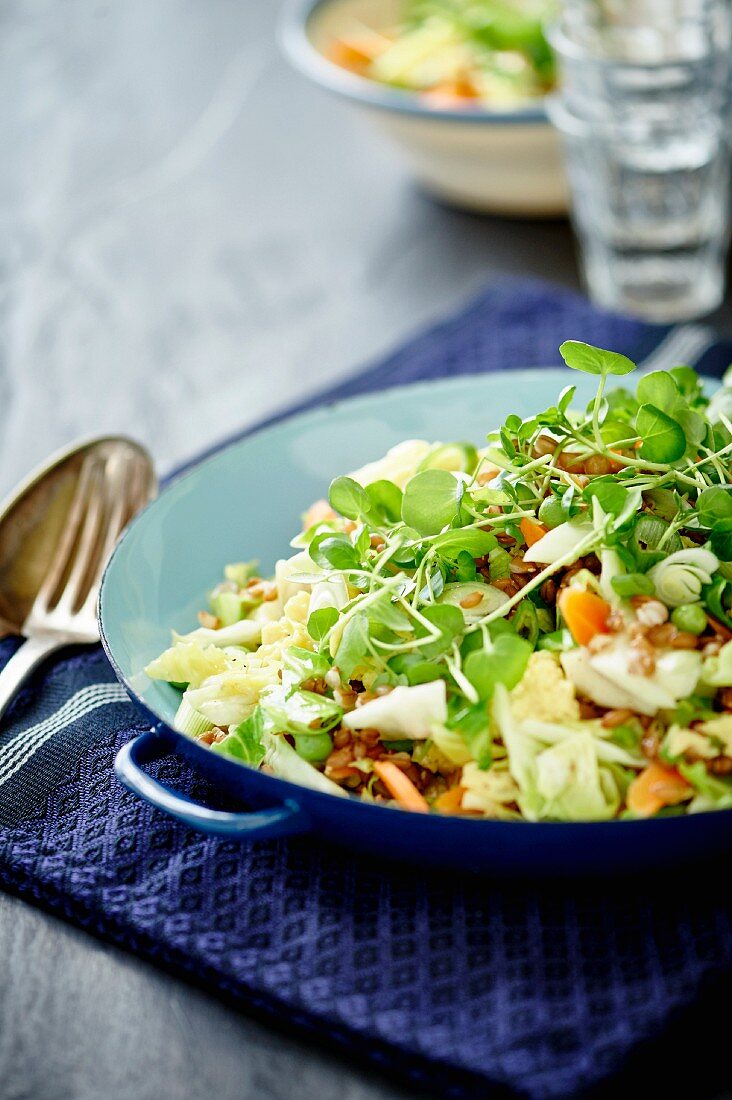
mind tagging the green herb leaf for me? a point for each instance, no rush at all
(471, 539)
(432, 501)
(464, 567)
(592, 360)
(448, 620)
(714, 504)
(663, 439)
(334, 550)
(633, 584)
(721, 539)
(416, 669)
(504, 664)
(353, 651)
(386, 499)
(657, 388)
(321, 622)
(348, 497)
(566, 398)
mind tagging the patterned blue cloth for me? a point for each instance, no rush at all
(460, 986)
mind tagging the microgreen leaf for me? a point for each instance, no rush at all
(657, 388)
(721, 539)
(714, 504)
(663, 439)
(431, 501)
(386, 499)
(469, 539)
(448, 620)
(348, 497)
(464, 566)
(633, 584)
(566, 398)
(504, 664)
(415, 668)
(321, 621)
(353, 650)
(592, 360)
(333, 549)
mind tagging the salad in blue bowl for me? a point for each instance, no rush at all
(538, 629)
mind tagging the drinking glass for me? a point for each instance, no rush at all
(643, 111)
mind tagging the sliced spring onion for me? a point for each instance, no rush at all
(189, 720)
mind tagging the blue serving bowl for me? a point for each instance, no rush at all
(246, 500)
(502, 160)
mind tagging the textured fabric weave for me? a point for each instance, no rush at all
(462, 986)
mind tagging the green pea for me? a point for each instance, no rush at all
(689, 618)
(551, 513)
(313, 746)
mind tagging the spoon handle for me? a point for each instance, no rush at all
(22, 663)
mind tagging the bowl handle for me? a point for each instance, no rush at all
(256, 824)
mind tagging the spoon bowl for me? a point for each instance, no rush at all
(57, 531)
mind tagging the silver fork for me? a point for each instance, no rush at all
(114, 482)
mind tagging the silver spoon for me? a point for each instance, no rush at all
(57, 531)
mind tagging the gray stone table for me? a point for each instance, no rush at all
(190, 237)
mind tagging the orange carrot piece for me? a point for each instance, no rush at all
(319, 512)
(584, 613)
(449, 802)
(451, 93)
(656, 786)
(531, 530)
(400, 786)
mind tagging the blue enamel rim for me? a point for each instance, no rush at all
(162, 739)
(295, 42)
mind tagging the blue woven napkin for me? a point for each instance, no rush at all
(461, 986)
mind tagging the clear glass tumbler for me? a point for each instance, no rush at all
(643, 110)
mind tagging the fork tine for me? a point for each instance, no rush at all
(127, 487)
(67, 541)
(87, 545)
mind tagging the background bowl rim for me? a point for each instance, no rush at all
(297, 46)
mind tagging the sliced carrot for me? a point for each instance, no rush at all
(449, 802)
(656, 786)
(449, 94)
(531, 530)
(400, 786)
(319, 512)
(584, 613)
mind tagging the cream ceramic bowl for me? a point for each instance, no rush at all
(498, 162)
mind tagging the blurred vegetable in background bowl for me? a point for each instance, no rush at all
(458, 84)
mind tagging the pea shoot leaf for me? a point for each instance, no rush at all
(472, 540)
(321, 621)
(663, 438)
(353, 650)
(504, 664)
(386, 500)
(334, 550)
(448, 620)
(348, 497)
(714, 504)
(592, 360)
(432, 501)
(657, 388)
